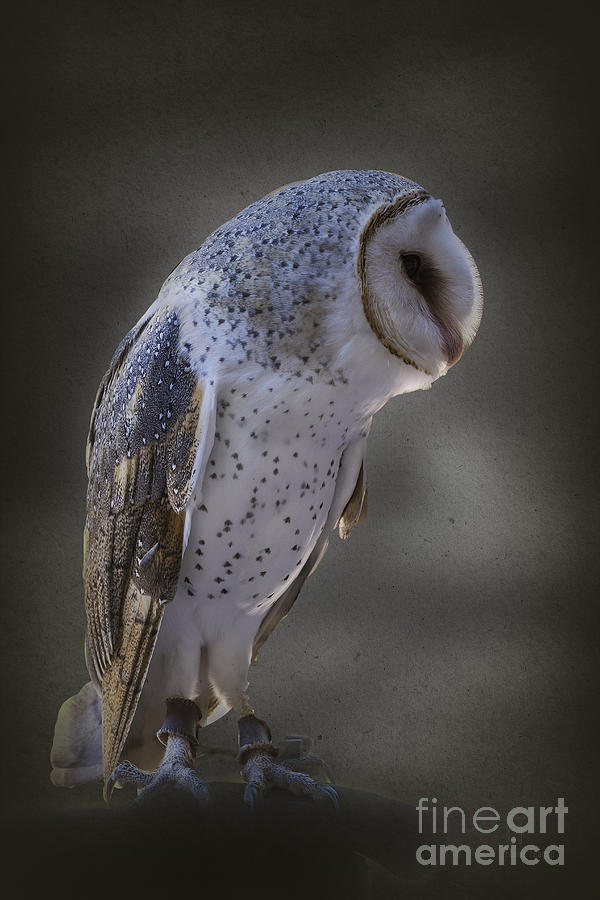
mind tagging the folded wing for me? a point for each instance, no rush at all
(151, 432)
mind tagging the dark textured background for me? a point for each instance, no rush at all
(449, 649)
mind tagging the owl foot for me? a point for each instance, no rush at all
(178, 733)
(261, 772)
(176, 769)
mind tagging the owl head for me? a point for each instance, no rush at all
(420, 288)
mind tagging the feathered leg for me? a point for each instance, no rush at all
(261, 772)
(179, 735)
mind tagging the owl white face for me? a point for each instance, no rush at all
(421, 289)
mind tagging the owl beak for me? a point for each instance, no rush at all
(458, 335)
(453, 344)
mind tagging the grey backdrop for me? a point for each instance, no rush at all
(448, 649)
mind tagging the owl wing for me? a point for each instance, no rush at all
(151, 432)
(348, 508)
(355, 510)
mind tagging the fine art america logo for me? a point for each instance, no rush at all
(524, 835)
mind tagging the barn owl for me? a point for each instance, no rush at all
(227, 442)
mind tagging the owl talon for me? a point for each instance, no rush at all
(123, 774)
(262, 773)
(332, 794)
(176, 769)
(251, 795)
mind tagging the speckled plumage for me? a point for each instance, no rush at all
(228, 441)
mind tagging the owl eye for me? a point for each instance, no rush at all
(412, 264)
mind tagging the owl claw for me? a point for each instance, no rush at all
(125, 773)
(251, 795)
(332, 794)
(262, 773)
(176, 769)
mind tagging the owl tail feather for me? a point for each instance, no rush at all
(76, 754)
